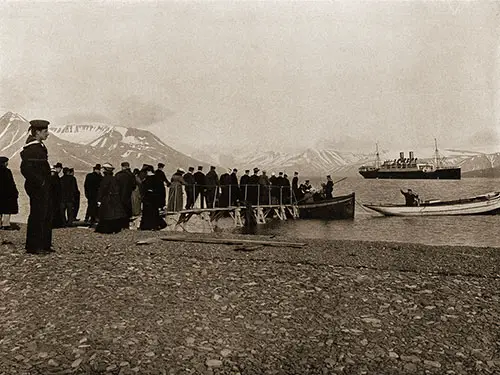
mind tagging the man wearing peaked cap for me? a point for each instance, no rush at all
(39, 124)
(36, 170)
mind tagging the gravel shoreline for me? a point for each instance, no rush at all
(103, 304)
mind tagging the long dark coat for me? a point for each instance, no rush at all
(91, 188)
(126, 183)
(36, 170)
(112, 215)
(163, 178)
(252, 189)
(8, 192)
(152, 201)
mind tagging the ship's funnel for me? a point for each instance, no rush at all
(411, 155)
(401, 155)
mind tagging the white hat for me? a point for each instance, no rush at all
(181, 170)
(108, 166)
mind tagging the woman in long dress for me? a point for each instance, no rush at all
(111, 211)
(8, 195)
(175, 193)
(152, 201)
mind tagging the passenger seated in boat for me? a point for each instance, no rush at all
(411, 198)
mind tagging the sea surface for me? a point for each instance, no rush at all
(444, 230)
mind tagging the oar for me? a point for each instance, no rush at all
(342, 179)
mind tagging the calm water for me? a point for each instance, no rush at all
(445, 230)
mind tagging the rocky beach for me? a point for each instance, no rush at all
(103, 304)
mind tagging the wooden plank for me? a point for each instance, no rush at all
(232, 241)
(222, 241)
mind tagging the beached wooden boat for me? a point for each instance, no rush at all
(486, 204)
(341, 207)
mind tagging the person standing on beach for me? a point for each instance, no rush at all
(8, 195)
(127, 183)
(76, 200)
(68, 191)
(163, 178)
(55, 194)
(36, 170)
(91, 188)
(111, 211)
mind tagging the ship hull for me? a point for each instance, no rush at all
(401, 174)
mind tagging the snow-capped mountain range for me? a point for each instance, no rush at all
(82, 146)
(85, 144)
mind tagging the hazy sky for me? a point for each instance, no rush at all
(270, 74)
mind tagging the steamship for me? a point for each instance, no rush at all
(410, 168)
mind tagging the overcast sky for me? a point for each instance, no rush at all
(269, 74)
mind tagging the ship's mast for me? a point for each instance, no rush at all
(377, 157)
(437, 161)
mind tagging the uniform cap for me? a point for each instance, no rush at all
(161, 165)
(191, 169)
(200, 167)
(125, 164)
(39, 124)
(4, 159)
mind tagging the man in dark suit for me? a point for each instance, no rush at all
(91, 188)
(161, 176)
(126, 184)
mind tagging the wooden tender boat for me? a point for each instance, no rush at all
(486, 204)
(341, 207)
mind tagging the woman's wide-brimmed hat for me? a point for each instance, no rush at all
(108, 167)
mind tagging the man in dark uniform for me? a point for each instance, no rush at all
(36, 170)
(329, 187)
(199, 187)
(91, 187)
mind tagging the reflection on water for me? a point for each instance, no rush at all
(442, 230)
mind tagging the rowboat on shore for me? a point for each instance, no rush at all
(486, 204)
(341, 207)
